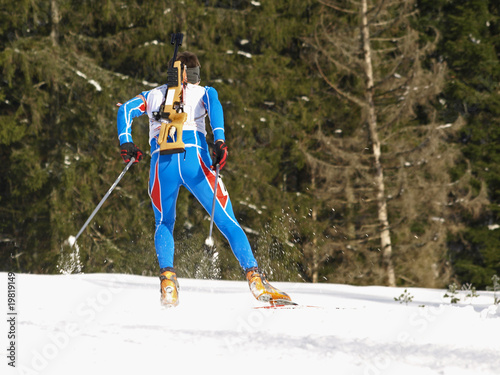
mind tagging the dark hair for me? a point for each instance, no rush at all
(187, 58)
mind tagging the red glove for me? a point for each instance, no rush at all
(130, 150)
(220, 154)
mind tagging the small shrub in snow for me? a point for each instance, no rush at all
(452, 293)
(495, 288)
(405, 297)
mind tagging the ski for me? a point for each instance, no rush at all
(285, 306)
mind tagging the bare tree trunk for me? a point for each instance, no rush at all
(385, 235)
(54, 20)
(351, 200)
(55, 17)
(315, 255)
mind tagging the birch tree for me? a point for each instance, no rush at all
(372, 59)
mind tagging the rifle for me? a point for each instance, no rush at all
(171, 113)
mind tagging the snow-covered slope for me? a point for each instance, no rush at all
(113, 324)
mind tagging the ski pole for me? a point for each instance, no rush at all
(210, 241)
(73, 241)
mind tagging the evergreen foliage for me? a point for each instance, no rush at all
(471, 50)
(298, 173)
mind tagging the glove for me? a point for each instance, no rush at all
(130, 150)
(220, 154)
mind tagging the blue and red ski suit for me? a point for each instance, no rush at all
(190, 169)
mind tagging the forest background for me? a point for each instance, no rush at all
(336, 112)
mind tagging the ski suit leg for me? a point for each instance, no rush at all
(199, 179)
(164, 183)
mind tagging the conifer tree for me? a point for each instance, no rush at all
(470, 48)
(292, 77)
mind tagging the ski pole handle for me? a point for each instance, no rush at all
(104, 199)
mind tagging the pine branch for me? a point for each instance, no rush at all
(339, 65)
(342, 93)
(336, 7)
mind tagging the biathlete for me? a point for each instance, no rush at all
(193, 169)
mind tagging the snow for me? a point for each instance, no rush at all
(246, 54)
(71, 240)
(444, 126)
(91, 81)
(112, 323)
(80, 74)
(209, 241)
(95, 84)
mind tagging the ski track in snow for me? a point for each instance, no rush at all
(108, 323)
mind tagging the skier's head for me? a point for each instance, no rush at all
(193, 66)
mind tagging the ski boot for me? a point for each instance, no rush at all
(169, 289)
(263, 291)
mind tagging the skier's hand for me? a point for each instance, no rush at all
(129, 150)
(220, 154)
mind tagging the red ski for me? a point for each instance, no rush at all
(285, 306)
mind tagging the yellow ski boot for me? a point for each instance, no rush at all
(263, 291)
(169, 289)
